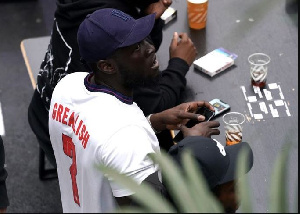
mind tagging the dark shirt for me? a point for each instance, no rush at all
(72, 12)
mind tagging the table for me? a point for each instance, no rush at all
(246, 27)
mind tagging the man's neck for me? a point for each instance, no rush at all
(113, 85)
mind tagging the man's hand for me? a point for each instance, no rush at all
(205, 129)
(158, 8)
(177, 116)
(184, 49)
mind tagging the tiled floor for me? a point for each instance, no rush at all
(21, 19)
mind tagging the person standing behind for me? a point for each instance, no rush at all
(62, 58)
(94, 120)
(4, 202)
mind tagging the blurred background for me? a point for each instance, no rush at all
(22, 19)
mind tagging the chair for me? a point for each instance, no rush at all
(33, 51)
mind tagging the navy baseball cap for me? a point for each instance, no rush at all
(106, 30)
(217, 163)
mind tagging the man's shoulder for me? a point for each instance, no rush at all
(69, 86)
(75, 78)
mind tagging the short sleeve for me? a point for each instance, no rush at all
(127, 152)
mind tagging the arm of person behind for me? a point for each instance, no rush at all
(158, 7)
(153, 6)
(167, 91)
(4, 203)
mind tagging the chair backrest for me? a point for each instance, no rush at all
(33, 51)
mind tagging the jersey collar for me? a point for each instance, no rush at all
(101, 88)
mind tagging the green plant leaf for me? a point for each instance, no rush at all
(278, 199)
(198, 186)
(296, 198)
(175, 182)
(243, 190)
(144, 194)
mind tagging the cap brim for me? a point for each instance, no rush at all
(233, 152)
(140, 31)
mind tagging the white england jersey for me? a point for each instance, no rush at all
(91, 124)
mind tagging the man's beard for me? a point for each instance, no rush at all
(131, 81)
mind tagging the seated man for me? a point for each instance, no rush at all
(218, 165)
(63, 57)
(93, 119)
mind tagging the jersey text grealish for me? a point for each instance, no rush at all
(65, 116)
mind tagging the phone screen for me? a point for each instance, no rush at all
(219, 105)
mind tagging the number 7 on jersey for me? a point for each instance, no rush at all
(69, 150)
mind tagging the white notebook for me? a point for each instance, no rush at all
(215, 61)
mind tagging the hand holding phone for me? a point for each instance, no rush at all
(219, 106)
(208, 114)
(204, 129)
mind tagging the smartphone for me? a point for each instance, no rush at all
(220, 107)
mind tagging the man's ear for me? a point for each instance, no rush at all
(107, 66)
